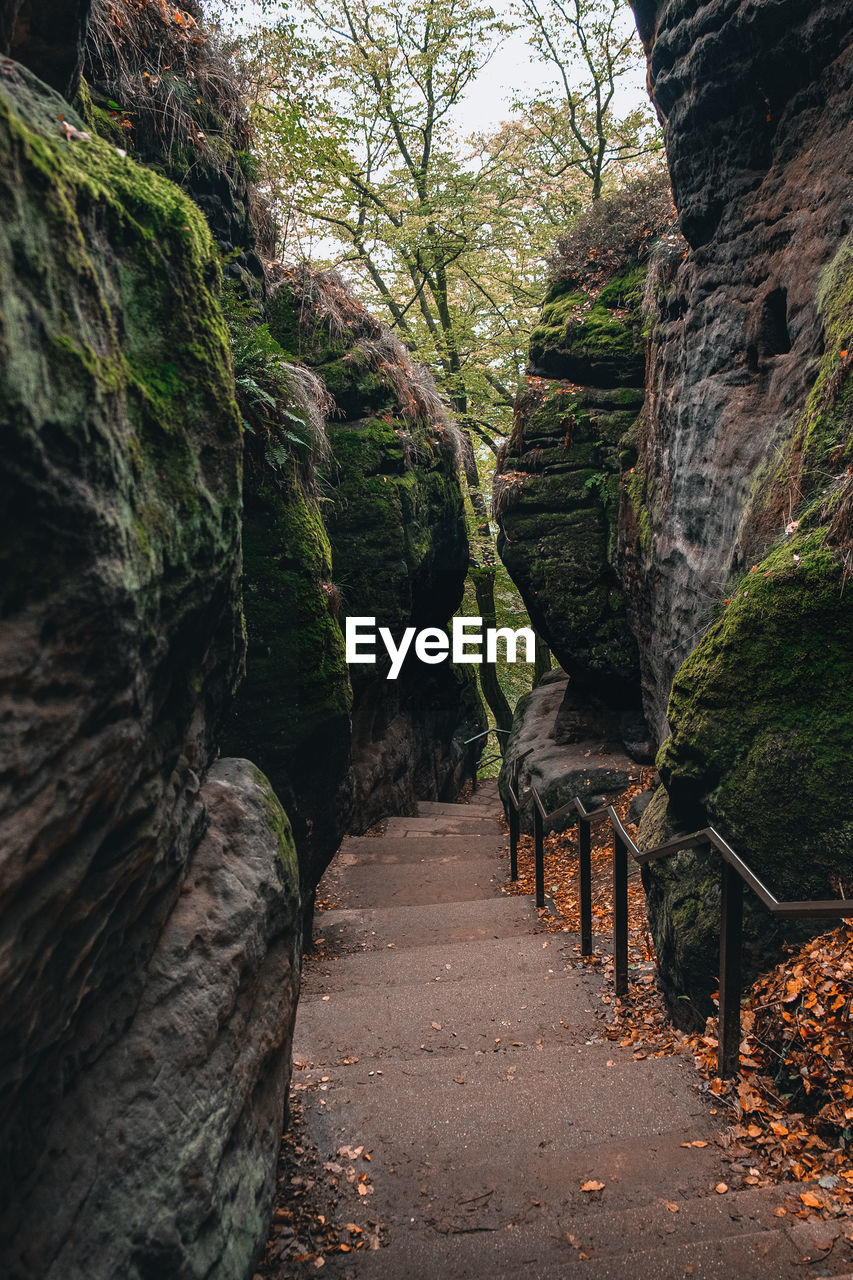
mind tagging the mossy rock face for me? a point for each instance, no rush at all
(762, 735)
(400, 550)
(762, 711)
(400, 554)
(558, 487)
(292, 713)
(399, 544)
(592, 339)
(390, 543)
(120, 624)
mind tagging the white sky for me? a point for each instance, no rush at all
(512, 71)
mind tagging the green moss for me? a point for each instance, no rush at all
(107, 124)
(591, 338)
(279, 824)
(560, 521)
(390, 519)
(120, 273)
(296, 664)
(762, 720)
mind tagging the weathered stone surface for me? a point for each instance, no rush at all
(292, 712)
(47, 37)
(755, 99)
(747, 429)
(557, 487)
(586, 766)
(400, 553)
(120, 629)
(398, 541)
(162, 1161)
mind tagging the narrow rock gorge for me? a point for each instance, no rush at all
(213, 459)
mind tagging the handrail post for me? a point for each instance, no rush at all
(540, 856)
(513, 841)
(585, 870)
(731, 950)
(620, 915)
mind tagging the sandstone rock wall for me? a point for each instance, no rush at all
(48, 37)
(120, 644)
(162, 1160)
(734, 532)
(557, 487)
(754, 98)
(545, 752)
(181, 114)
(747, 433)
(399, 547)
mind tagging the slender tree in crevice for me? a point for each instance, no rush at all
(483, 577)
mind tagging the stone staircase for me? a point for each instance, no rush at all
(461, 1045)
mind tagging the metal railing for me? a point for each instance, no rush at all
(734, 874)
(493, 759)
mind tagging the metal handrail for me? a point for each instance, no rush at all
(734, 875)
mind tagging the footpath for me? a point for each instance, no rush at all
(457, 1084)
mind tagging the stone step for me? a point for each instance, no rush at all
(514, 1105)
(399, 849)
(370, 928)
(457, 825)
(394, 1022)
(510, 1253)
(484, 784)
(486, 1092)
(443, 963)
(454, 877)
(441, 809)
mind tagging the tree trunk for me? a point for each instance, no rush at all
(484, 585)
(472, 480)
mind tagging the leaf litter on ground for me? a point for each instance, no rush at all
(791, 1104)
(321, 1205)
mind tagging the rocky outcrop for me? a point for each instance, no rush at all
(550, 755)
(557, 488)
(398, 541)
(746, 433)
(158, 83)
(292, 712)
(556, 494)
(755, 103)
(400, 553)
(761, 714)
(728, 562)
(187, 1105)
(148, 979)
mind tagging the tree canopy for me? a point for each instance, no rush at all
(357, 116)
